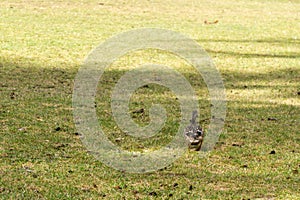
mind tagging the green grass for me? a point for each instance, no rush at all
(255, 46)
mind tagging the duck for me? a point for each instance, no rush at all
(194, 133)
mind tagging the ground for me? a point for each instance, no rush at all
(255, 45)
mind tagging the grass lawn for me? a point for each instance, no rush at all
(256, 47)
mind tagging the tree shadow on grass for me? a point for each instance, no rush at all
(255, 55)
(40, 99)
(266, 40)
